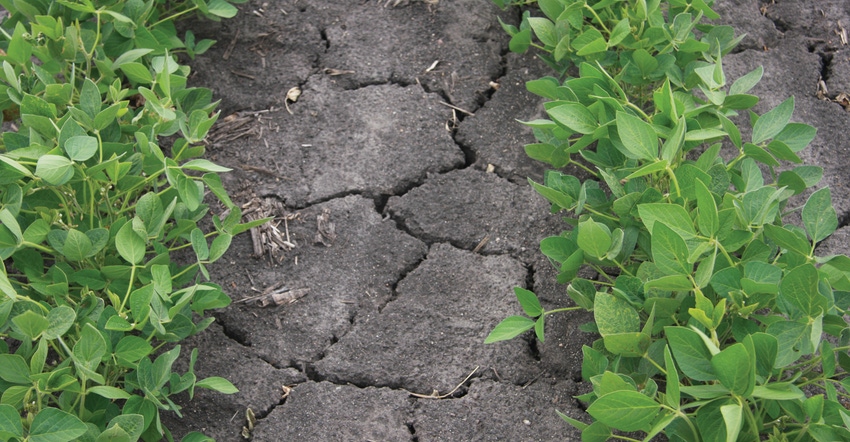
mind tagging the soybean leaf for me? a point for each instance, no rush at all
(819, 216)
(59, 320)
(574, 116)
(204, 166)
(509, 328)
(735, 369)
(743, 84)
(15, 369)
(218, 384)
(638, 137)
(30, 323)
(773, 122)
(109, 392)
(669, 251)
(672, 397)
(732, 417)
(798, 292)
(707, 220)
(691, 354)
(221, 8)
(671, 215)
(77, 245)
(10, 422)
(787, 239)
(91, 347)
(650, 168)
(54, 169)
(130, 245)
(199, 244)
(55, 425)
(614, 315)
(796, 136)
(529, 302)
(624, 410)
(593, 238)
(792, 338)
(671, 148)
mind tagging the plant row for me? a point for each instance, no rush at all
(103, 255)
(711, 305)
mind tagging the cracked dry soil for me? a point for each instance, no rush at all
(405, 135)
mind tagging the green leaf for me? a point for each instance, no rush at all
(787, 239)
(693, 358)
(574, 116)
(31, 324)
(624, 410)
(653, 167)
(133, 424)
(671, 148)
(778, 393)
(799, 290)
(10, 422)
(218, 384)
(735, 369)
(544, 29)
(529, 302)
(130, 245)
(520, 41)
(130, 349)
(614, 315)
(221, 8)
(732, 417)
(55, 425)
(189, 192)
(60, 319)
(773, 122)
(707, 221)
(509, 328)
(15, 369)
(118, 323)
(672, 398)
(556, 197)
(638, 137)
(793, 339)
(90, 101)
(819, 216)
(77, 246)
(204, 166)
(153, 102)
(594, 238)
(54, 169)
(627, 344)
(137, 73)
(672, 283)
(669, 251)
(199, 244)
(796, 136)
(743, 84)
(621, 30)
(673, 216)
(109, 392)
(219, 246)
(91, 347)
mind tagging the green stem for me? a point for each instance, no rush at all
(173, 16)
(675, 181)
(598, 20)
(582, 166)
(564, 309)
(129, 289)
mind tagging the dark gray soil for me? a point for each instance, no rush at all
(405, 134)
